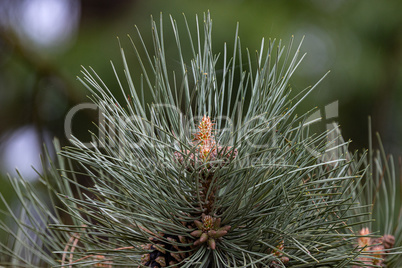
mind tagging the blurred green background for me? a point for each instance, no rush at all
(44, 42)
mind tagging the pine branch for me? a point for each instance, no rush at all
(217, 171)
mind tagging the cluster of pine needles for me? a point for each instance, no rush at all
(217, 170)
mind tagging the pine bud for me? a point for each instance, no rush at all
(220, 233)
(203, 238)
(196, 233)
(211, 243)
(199, 224)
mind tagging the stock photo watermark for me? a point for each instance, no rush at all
(127, 133)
